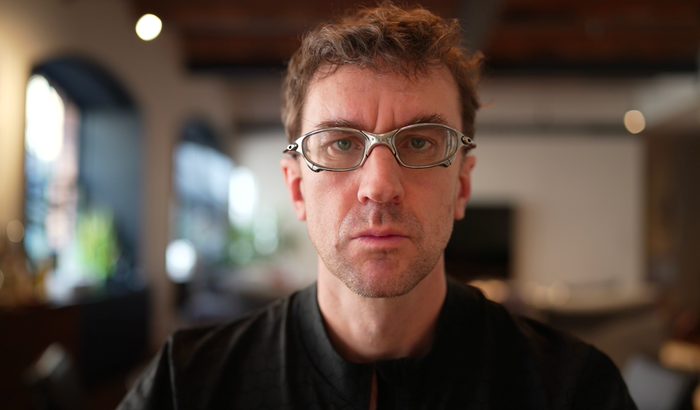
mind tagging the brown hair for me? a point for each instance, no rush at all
(385, 38)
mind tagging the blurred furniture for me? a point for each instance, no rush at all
(107, 336)
(54, 381)
(620, 323)
(684, 356)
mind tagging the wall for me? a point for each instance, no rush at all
(578, 202)
(34, 31)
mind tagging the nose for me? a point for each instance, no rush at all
(380, 178)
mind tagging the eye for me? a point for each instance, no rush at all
(344, 145)
(418, 143)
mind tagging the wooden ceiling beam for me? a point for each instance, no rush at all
(300, 10)
(212, 50)
(645, 47)
(540, 32)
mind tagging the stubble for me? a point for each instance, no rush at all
(382, 273)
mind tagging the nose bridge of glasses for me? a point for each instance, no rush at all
(374, 140)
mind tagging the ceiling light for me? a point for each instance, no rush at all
(148, 27)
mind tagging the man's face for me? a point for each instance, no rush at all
(381, 228)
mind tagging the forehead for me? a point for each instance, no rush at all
(380, 102)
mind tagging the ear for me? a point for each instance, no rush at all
(292, 178)
(464, 187)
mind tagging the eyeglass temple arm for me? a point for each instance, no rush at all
(291, 149)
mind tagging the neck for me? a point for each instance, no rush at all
(365, 330)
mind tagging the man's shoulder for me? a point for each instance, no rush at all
(254, 331)
(537, 357)
(516, 334)
(197, 365)
(257, 320)
(497, 321)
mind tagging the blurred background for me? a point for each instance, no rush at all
(140, 189)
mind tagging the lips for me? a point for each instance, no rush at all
(380, 225)
(379, 233)
(380, 238)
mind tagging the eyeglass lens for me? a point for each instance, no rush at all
(416, 146)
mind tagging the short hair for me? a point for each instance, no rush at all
(384, 39)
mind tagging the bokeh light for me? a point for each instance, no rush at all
(180, 260)
(15, 231)
(148, 27)
(558, 294)
(543, 297)
(45, 114)
(493, 289)
(634, 121)
(243, 196)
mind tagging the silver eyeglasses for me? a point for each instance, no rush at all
(414, 146)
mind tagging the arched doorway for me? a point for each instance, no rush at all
(83, 162)
(83, 178)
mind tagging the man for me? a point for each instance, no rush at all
(379, 110)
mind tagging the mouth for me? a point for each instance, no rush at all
(380, 237)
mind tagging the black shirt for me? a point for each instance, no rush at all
(281, 358)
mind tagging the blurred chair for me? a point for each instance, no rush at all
(655, 387)
(54, 382)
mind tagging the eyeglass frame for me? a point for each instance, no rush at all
(386, 139)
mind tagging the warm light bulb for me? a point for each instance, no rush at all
(148, 27)
(15, 231)
(634, 121)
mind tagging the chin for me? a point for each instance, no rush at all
(379, 286)
(383, 277)
(374, 293)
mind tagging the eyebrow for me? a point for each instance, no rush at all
(433, 118)
(337, 124)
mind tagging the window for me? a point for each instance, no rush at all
(82, 172)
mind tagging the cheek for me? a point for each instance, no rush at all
(328, 198)
(436, 191)
(435, 202)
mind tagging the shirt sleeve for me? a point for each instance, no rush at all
(153, 390)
